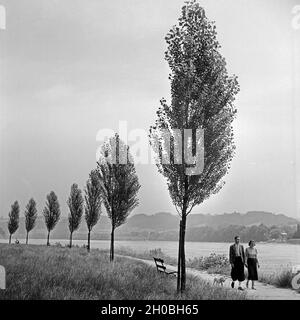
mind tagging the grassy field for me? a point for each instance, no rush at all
(216, 264)
(40, 272)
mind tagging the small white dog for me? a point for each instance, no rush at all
(219, 281)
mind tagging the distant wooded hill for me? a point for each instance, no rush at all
(164, 226)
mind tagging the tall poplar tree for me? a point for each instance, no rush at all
(202, 96)
(13, 219)
(93, 202)
(51, 213)
(75, 204)
(119, 183)
(30, 217)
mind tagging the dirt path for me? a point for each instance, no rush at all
(263, 291)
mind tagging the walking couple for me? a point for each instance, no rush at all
(239, 258)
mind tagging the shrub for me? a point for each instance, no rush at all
(58, 244)
(214, 263)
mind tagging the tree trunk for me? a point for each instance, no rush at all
(89, 240)
(183, 271)
(71, 233)
(181, 252)
(9, 241)
(48, 237)
(27, 237)
(179, 260)
(112, 244)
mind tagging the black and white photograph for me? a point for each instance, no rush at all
(149, 151)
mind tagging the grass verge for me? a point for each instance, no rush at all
(213, 264)
(40, 272)
(281, 279)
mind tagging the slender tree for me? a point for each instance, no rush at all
(30, 217)
(202, 96)
(92, 203)
(75, 204)
(13, 221)
(51, 213)
(119, 184)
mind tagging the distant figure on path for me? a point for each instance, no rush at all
(252, 263)
(237, 261)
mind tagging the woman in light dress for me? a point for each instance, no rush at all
(251, 263)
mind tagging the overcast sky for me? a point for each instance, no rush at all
(69, 68)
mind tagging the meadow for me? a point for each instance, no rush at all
(40, 272)
(214, 264)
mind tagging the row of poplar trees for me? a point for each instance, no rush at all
(113, 184)
(202, 96)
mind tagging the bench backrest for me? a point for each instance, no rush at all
(159, 264)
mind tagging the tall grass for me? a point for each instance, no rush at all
(40, 272)
(282, 278)
(214, 263)
(146, 255)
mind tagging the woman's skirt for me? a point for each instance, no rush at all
(252, 269)
(237, 272)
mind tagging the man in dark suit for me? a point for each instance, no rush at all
(237, 261)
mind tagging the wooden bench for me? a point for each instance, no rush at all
(161, 267)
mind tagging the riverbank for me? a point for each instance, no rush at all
(263, 291)
(287, 255)
(213, 264)
(39, 272)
